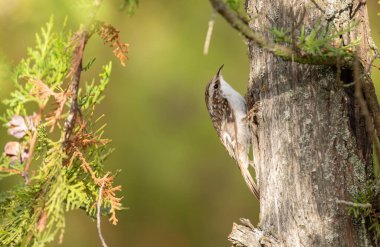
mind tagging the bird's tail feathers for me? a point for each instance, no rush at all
(250, 183)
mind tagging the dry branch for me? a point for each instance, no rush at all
(98, 214)
(247, 236)
(211, 23)
(80, 40)
(32, 144)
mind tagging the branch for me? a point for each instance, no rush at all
(104, 244)
(211, 23)
(282, 51)
(354, 204)
(80, 39)
(32, 144)
(247, 236)
(10, 170)
(233, 19)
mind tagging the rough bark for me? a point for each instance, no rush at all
(311, 149)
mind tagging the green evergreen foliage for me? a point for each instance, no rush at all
(362, 207)
(63, 176)
(320, 42)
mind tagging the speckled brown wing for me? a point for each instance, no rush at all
(223, 120)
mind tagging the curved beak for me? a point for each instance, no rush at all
(219, 71)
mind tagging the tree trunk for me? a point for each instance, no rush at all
(311, 149)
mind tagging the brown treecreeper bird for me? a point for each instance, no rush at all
(228, 111)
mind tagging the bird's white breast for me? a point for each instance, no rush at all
(239, 107)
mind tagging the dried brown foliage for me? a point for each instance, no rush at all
(76, 147)
(110, 36)
(106, 181)
(43, 92)
(42, 221)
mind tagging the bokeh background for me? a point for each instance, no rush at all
(179, 185)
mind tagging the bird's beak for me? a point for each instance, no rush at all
(219, 71)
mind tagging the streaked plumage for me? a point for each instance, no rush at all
(228, 109)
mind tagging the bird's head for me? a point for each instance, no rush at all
(213, 88)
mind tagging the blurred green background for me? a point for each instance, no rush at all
(179, 185)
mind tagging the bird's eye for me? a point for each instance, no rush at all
(216, 85)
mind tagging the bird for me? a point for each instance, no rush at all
(228, 113)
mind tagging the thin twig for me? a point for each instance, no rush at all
(10, 170)
(211, 23)
(32, 144)
(354, 204)
(104, 244)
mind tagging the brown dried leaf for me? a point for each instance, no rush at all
(110, 36)
(121, 52)
(42, 222)
(41, 90)
(55, 116)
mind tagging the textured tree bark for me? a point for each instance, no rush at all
(311, 148)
